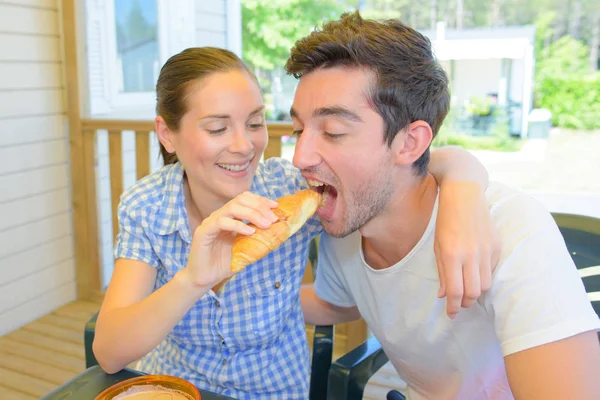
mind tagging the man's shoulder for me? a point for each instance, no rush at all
(521, 209)
(520, 220)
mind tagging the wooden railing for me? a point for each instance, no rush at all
(86, 222)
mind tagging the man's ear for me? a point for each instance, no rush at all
(410, 143)
(163, 133)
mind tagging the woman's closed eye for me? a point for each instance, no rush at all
(216, 131)
(256, 123)
(256, 126)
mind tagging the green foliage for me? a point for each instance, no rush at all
(564, 83)
(565, 57)
(271, 27)
(454, 134)
(497, 142)
(573, 100)
(479, 105)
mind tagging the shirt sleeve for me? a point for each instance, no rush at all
(132, 242)
(537, 296)
(330, 283)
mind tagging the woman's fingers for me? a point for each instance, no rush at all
(261, 204)
(472, 281)
(441, 272)
(234, 225)
(453, 274)
(244, 213)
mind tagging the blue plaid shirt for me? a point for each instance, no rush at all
(249, 340)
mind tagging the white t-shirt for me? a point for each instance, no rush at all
(537, 297)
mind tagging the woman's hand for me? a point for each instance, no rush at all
(210, 254)
(467, 246)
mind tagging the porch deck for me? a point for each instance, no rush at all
(49, 351)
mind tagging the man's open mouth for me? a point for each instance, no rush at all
(329, 194)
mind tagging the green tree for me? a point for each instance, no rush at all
(271, 27)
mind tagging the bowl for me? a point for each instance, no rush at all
(151, 387)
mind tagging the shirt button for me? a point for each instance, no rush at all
(277, 285)
(217, 303)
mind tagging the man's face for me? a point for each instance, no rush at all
(340, 149)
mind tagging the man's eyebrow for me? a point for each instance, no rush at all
(337, 111)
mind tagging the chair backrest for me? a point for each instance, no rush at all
(582, 237)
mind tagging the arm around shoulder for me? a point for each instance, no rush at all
(320, 312)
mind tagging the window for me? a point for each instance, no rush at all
(127, 41)
(136, 45)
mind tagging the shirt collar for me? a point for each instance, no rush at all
(172, 215)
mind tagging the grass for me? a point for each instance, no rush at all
(497, 142)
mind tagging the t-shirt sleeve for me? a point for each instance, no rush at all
(132, 242)
(330, 283)
(537, 296)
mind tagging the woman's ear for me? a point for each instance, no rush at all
(163, 133)
(411, 142)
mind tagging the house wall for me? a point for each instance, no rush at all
(475, 78)
(37, 272)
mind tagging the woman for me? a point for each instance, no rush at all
(167, 301)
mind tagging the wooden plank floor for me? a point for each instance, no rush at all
(45, 353)
(49, 351)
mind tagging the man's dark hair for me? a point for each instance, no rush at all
(410, 85)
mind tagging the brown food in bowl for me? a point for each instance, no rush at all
(151, 387)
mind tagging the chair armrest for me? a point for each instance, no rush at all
(350, 373)
(88, 340)
(321, 361)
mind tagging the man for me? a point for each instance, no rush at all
(369, 101)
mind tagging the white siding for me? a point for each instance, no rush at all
(97, 49)
(211, 23)
(37, 272)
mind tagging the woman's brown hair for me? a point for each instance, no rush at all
(179, 73)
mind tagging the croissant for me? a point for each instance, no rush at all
(293, 212)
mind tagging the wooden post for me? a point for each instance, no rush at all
(142, 154)
(91, 214)
(115, 154)
(85, 281)
(276, 132)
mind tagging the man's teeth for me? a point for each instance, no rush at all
(316, 184)
(232, 167)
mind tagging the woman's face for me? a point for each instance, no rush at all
(223, 134)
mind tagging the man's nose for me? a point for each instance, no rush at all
(306, 153)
